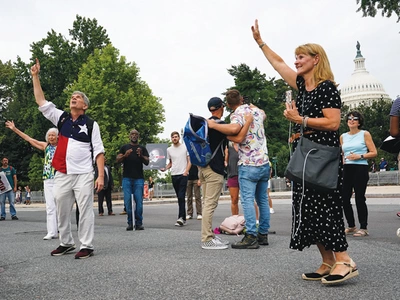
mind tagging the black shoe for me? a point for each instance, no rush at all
(262, 239)
(14, 218)
(139, 227)
(248, 242)
(129, 228)
(314, 276)
(61, 250)
(2, 219)
(84, 253)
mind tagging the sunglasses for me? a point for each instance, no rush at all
(352, 118)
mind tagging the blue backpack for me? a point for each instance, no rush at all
(195, 136)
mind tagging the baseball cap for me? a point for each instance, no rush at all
(215, 103)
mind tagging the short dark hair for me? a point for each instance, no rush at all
(357, 114)
(233, 97)
(175, 132)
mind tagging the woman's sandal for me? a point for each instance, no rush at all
(361, 232)
(350, 230)
(317, 276)
(333, 278)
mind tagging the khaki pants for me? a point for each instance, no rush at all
(212, 184)
(193, 187)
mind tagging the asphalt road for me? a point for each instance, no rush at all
(167, 262)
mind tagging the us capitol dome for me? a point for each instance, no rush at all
(362, 88)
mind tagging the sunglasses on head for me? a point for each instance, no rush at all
(352, 118)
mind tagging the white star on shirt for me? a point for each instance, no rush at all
(83, 129)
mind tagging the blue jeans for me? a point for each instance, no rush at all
(253, 182)
(133, 187)
(11, 197)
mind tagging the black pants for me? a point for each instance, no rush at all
(107, 194)
(355, 177)
(180, 183)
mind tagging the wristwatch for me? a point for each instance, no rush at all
(362, 156)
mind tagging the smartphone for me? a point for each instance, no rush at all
(289, 98)
(246, 100)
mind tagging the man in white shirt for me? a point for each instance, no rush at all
(179, 163)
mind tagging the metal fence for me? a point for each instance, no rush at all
(166, 190)
(384, 178)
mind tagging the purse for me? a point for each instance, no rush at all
(314, 165)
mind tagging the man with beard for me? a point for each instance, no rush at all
(179, 163)
(133, 156)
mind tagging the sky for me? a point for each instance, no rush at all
(183, 48)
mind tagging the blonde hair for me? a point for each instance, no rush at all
(322, 70)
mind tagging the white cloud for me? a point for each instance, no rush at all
(183, 48)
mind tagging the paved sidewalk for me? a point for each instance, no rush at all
(372, 192)
(167, 262)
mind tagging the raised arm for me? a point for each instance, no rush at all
(35, 143)
(288, 74)
(37, 88)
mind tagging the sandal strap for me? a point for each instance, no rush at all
(352, 266)
(328, 265)
(361, 232)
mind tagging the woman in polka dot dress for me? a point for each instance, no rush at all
(317, 217)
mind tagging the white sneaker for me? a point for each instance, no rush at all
(225, 242)
(180, 222)
(213, 244)
(398, 232)
(199, 217)
(271, 211)
(188, 217)
(49, 237)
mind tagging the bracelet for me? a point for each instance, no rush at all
(262, 45)
(304, 121)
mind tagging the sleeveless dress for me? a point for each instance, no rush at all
(317, 217)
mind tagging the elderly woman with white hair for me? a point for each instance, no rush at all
(49, 148)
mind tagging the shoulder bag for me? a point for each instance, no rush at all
(314, 165)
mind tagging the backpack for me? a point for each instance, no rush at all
(195, 136)
(233, 225)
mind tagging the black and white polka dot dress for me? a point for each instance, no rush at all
(317, 217)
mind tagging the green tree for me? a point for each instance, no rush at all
(89, 36)
(61, 60)
(7, 77)
(119, 100)
(369, 8)
(35, 172)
